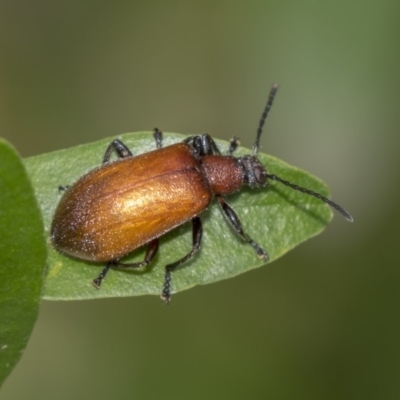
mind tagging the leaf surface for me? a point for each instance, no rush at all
(277, 217)
(22, 258)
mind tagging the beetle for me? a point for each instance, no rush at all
(131, 202)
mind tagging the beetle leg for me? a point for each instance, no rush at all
(151, 251)
(209, 147)
(197, 233)
(201, 146)
(235, 223)
(62, 188)
(204, 145)
(233, 145)
(158, 138)
(120, 149)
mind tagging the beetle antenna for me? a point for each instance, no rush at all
(315, 194)
(272, 93)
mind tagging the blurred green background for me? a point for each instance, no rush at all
(320, 323)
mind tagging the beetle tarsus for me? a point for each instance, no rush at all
(166, 293)
(158, 137)
(233, 145)
(261, 253)
(62, 188)
(97, 282)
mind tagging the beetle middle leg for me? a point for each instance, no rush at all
(204, 145)
(151, 251)
(197, 233)
(235, 223)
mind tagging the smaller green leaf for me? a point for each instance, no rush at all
(22, 259)
(277, 217)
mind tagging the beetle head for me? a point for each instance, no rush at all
(254, 173)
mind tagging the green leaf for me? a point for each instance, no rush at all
(278, 218)
(22, 259)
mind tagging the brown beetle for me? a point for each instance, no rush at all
(123, 205)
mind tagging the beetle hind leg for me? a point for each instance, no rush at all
(197, 233)
(119, 147)
(62, 188)
(158, 137)
(151, 251)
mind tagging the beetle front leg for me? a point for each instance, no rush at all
(235, 223)
(196, 238)
(233, 145)
(151, 251)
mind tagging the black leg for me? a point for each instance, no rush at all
(120, 149)
(62, 188)
(158, 138)
(214, 147)
(235, 223)
(152, 249)
(233, 145)
(197, 232)
(116, 145)
(204, 144)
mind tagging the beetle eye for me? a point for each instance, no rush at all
(254, 172)
(259, 174)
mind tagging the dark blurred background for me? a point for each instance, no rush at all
(321, 322)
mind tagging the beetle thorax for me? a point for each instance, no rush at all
(223, 173)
